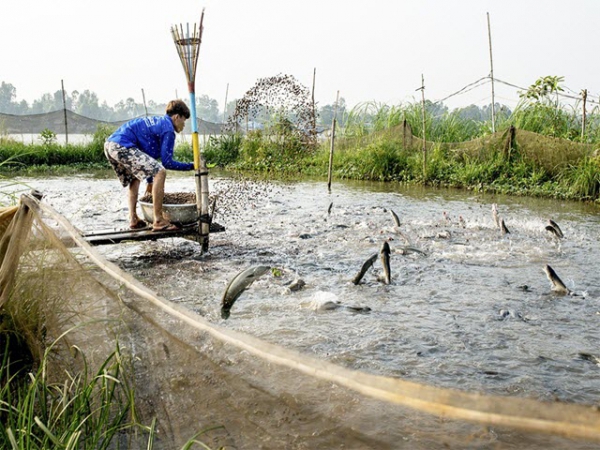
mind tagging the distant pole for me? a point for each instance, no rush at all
(332, 142)
(144, 100)
(62, 85)
(225, 107)
(583, 118)
(422, 89)
(492, 75)
(314, 114)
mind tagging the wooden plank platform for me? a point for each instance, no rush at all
(103, 237)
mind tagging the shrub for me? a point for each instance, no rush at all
(223, 150)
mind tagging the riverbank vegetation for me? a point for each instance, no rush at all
(45, 403)
(81, 411)
(43, 408)
(540, 149)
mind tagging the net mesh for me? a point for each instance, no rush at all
(76, 123)
(193, 375)
(547, 152)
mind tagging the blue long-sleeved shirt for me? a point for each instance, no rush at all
(155, 136)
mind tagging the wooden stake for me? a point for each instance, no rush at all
(583, 117)
(492, 75)
(332, 142)
(225, 107)
(62, 85)
(314, 117)
(422, 89)
(144, 100)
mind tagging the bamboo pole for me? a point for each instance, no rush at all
(225, 107)
(583, 113)
(144, 100)
(332, 141)
(492, 75)
(314, 115)
(422, 89)
(62, 86)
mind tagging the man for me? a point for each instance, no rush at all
(134, 151)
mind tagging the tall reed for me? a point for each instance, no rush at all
(81, 412)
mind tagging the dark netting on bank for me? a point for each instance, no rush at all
(193, 375)
(76, 124)
(547, 152)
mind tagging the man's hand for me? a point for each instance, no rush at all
(149, 188)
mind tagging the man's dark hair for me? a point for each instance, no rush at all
(178, 107)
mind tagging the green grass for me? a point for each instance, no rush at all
(549, 161)
(17, 157)
(80, 412)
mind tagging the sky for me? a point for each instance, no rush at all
(371, 51)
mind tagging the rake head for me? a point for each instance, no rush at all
(187, 42)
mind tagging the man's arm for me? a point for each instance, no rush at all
(166, 154)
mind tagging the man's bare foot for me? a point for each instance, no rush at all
(137, 224)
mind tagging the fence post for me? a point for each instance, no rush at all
(314, 114)
(144, 100)
(225, 107)
(62, 86)
(510, 141)
(583, 118)
(492, 75)
(332, 142)
(422, 89)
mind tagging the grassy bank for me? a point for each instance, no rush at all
(536, 151)
(549, 154)
(50, 158)
(18, 157)
(85, 412)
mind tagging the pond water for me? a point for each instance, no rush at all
(473, 311)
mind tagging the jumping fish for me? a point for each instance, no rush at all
(297, 284)
(328, 301)
(503, 227)
(590, 357)
(553, 230)
(366, 266)
(407, 250)
(384, 254)
(557, 285)
(237, 285)
(395, 218)
(556, 228)
(329, 209)
(212, 208)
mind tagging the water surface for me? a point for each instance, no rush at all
(476, 312)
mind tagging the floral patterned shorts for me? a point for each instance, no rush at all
(130, 163)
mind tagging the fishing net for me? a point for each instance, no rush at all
(193, 375)
(76, 123)
(547, 152)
